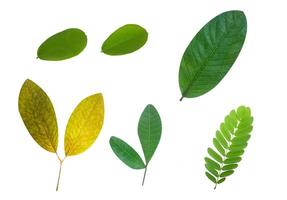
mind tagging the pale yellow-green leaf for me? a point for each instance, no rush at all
(38, 115)
(84, 125)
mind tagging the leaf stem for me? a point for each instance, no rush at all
(59, 176)
(215, 186)
(60, 170)
(144, 176)
(181, 98)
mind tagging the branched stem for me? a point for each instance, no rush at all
(144, 176)
(60, 170)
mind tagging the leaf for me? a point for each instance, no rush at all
(84, 125)
(149, 131)
(38, 115)
(63, 45)
(225, 158)
(211, 53)
(126, 153)
(124, 40)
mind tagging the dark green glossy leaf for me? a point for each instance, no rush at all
(211, 53)
(149, 131)
(63, 45)
(126, 153)
(124, 40)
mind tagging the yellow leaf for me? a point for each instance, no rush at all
(84, 125)
(38, 115)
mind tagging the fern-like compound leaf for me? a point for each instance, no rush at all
(229, 143)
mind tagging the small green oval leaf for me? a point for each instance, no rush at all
(38, 115)
(124, 40)
(211, 53)
(126, 153)
(149, 131)
(63, 45)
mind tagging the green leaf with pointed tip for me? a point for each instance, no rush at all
(210, 177)
(226, 173)
(84, 125)
(214, 155)
(229, 144)
(124, 40)
(126, 153)
(63, 45)
(211, 53)
(149, 131)
(221, 180)
(38, 115)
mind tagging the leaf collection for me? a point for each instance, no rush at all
(39, 117)
(207, 59)
(149, 132)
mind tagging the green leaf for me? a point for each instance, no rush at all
(213, 171)
(229, 167)
(126, 153)
(226, 173)
(214, 155)
(221, 139)
(232, 160)
(212, 163)
(230, 142)
(38, 115)
(149, 131)
(220, 180)
(63, 45)
(211, 53)
(210, 177)
(124, 40)
(84, 125)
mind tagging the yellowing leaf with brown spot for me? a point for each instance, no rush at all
(84, 125)
(38, 115)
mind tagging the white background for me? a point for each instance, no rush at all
(129, 83)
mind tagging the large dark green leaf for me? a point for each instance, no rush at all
(211, 53)
(225, 158)
(126, 153)
(63, 45)
(124, 40)
(149, 131)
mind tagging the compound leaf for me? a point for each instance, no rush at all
(84, 125)
(38, 115)
(211, 53)
(225, 158)
(124, 40)
(63, 45)
(126, 153)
